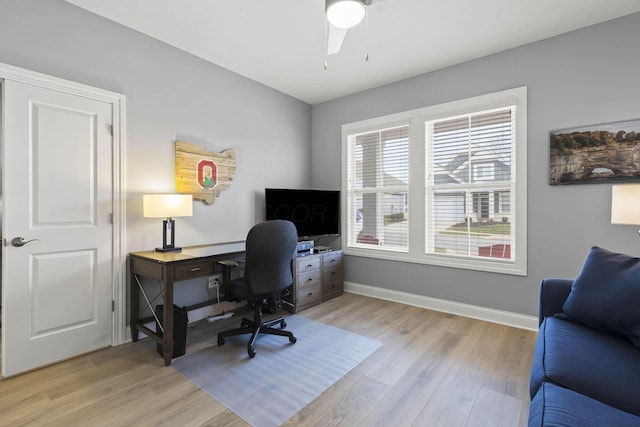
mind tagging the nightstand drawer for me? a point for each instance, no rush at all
(193, 269)
(309, 294)
(308, 263)
(332, 280)
(332, 259)
(309, 279)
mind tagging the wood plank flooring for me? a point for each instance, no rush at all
(433, 369)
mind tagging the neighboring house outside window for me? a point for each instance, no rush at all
(443, 185)
(484, 172)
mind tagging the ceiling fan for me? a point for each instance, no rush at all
(343, 15)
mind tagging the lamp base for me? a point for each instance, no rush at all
(168, 249)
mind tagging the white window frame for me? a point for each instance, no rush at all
(417, 189)
(380, 189)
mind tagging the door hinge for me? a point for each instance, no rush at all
(113, 305)
(110, 127)
(111, 218)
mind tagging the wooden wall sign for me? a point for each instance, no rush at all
(203, 173)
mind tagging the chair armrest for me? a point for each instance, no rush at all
(553, 294)
(228, 263)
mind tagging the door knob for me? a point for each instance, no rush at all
(19, 241)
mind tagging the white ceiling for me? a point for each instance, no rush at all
(281, 43)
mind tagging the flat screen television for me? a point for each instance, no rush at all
(314, 212)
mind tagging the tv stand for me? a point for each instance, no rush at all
(317, 278)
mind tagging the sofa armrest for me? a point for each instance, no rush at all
(553, 294)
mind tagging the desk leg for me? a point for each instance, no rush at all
(167, 337)
(135, 306)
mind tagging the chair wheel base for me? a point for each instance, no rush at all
(257, 328)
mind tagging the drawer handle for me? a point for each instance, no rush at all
(333, 273)
(309, 279)
(310, 294)
(309, 265)
(195, 269)
(332, 260)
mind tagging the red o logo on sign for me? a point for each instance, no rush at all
(207, 174)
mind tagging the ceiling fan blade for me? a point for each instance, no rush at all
(335, 37)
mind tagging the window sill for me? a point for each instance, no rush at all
(490, 265)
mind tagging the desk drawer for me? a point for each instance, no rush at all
(146, 268)
(193, 269)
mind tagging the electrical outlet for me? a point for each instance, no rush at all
(215, 281)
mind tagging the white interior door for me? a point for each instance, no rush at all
(57, 191)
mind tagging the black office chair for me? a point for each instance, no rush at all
(270, 248)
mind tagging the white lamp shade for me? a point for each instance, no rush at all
(167, 205)
(625, 204)
(345, 13)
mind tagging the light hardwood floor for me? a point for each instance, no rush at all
(433, 369)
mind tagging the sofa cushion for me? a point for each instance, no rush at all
(557, 406)
(606, 294)
(602, 366)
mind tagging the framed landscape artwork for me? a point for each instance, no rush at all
(595, 154)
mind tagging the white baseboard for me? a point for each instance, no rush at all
(467, 310)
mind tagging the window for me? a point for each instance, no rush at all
(470, 155)
(378, 182)
(443, 185)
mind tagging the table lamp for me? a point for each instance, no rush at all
(625, 204)
(167, 206)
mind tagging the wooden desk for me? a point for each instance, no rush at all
(168, 268)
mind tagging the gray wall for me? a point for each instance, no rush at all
(588, 76)
(170, 95)
(585, 77)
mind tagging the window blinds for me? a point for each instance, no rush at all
(378, 188)
(470, 184)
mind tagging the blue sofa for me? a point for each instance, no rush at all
(586, 367)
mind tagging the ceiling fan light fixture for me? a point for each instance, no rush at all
(345, 13)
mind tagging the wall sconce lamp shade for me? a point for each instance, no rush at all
(625, 204)
(345, 13)
(167, 206)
